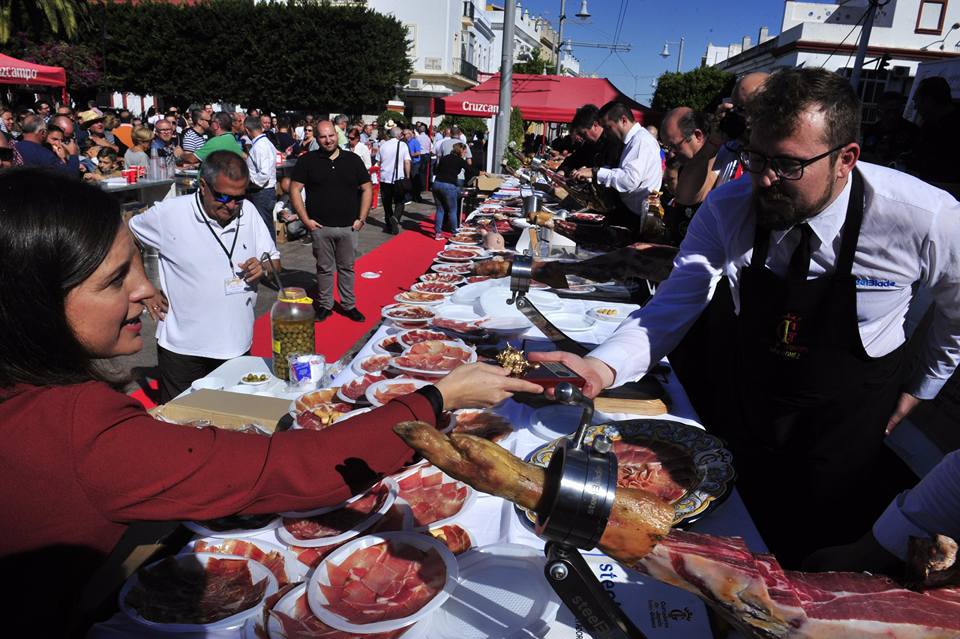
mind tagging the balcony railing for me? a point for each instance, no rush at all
(466, 69)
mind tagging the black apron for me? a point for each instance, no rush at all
(806, 417)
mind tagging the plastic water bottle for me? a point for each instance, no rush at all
(154, 168)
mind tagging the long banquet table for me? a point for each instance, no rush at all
(657, 609)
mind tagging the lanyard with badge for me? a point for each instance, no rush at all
(234, 285)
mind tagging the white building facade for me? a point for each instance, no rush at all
(531, 33)
(818, 35)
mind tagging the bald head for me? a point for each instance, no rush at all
(747, 86)
(65, 124)
(683, 131)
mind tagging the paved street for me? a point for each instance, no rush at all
(299, 269)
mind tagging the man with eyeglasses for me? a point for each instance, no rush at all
(209, 245)
(823, 256)
(686, 136)
(165, 141)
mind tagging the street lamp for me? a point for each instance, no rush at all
(666, 52)
(582, 14)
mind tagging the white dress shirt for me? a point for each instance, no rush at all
(203, 320)
(388, 160)
(910, 239)
(364, 152)
(640, 170)
(262, 162)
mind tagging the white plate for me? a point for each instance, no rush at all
(429, 471)
(421, 287)
(352, 414)
(373, 388)
(555, 420)
(388, 313)
(493, 302)
(258, 572)
(619, 315)
(571, 322)
(268, 379)
(449, 267)
(296, 570)
(290, 539)
(458, 313)
(426, 278)
(422, 542)
(357, 363)
(475, 254)
(203, 531)
(493, 579)
(470, 293)
(434, 373)
(399, 297)
(370, 275)
(381, 350)
(343, 397)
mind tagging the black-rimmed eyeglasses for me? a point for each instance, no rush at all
(785, 168)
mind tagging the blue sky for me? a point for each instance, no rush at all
(648, 23)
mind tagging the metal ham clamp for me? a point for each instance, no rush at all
(521, 272)
(581, 484)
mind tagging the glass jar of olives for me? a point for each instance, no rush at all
(291, 320)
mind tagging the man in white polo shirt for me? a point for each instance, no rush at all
(209, 245)
(262, 164)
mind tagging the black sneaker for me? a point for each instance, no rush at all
(323, 314)
(353, 314)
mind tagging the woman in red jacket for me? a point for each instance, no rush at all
(80, 460)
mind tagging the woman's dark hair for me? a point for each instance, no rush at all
(54, 233)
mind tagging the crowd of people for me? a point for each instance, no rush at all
(795, 266)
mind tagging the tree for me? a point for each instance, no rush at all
(533, 63)
(81, 62)
(62, 17)
(695, 89)
(274, 56)
(515, 137)
(468, 125)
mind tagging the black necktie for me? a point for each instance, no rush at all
(800, 260)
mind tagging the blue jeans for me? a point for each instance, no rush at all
(447, 198)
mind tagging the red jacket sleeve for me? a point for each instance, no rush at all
(134, 467)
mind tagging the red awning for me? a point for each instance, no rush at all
(541, 98)
(13, 71)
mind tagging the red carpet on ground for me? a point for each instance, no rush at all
(399, 262)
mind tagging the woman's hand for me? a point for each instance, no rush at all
(157, 305)
(480, 385)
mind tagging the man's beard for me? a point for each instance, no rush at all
(776, 211)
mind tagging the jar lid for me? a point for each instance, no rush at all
(294, 295)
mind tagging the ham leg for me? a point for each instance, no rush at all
(638, 519)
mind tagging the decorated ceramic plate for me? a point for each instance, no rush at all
(682, 464)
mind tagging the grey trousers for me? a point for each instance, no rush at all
(335, 248)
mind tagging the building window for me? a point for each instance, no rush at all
(931, 16)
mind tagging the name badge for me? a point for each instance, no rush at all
(235, 286)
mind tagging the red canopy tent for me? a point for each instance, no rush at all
(541, 98)
(13, 71)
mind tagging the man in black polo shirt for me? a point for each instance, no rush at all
(340, 195)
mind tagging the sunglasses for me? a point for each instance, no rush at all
(224, 198)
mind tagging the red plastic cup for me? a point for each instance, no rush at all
(130, 175)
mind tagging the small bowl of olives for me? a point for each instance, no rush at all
(254, 378)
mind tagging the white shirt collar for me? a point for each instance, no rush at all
(634, 130)
(827, 223)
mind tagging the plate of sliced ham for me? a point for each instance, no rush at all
(281, 562)
(380, 583)
(389, 345)
(454, 536)
(383, 392)
(371, 364)
(434, 357)
(337, 524)
(436, 288)
(355, 390)
(434, 497)
(407, 313)
(461, 254)
(197, 592)
(458, 269)
(443, 278)
(417, 335)
(291, 618)
(420, 298)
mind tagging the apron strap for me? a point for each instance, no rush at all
(851, 231)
